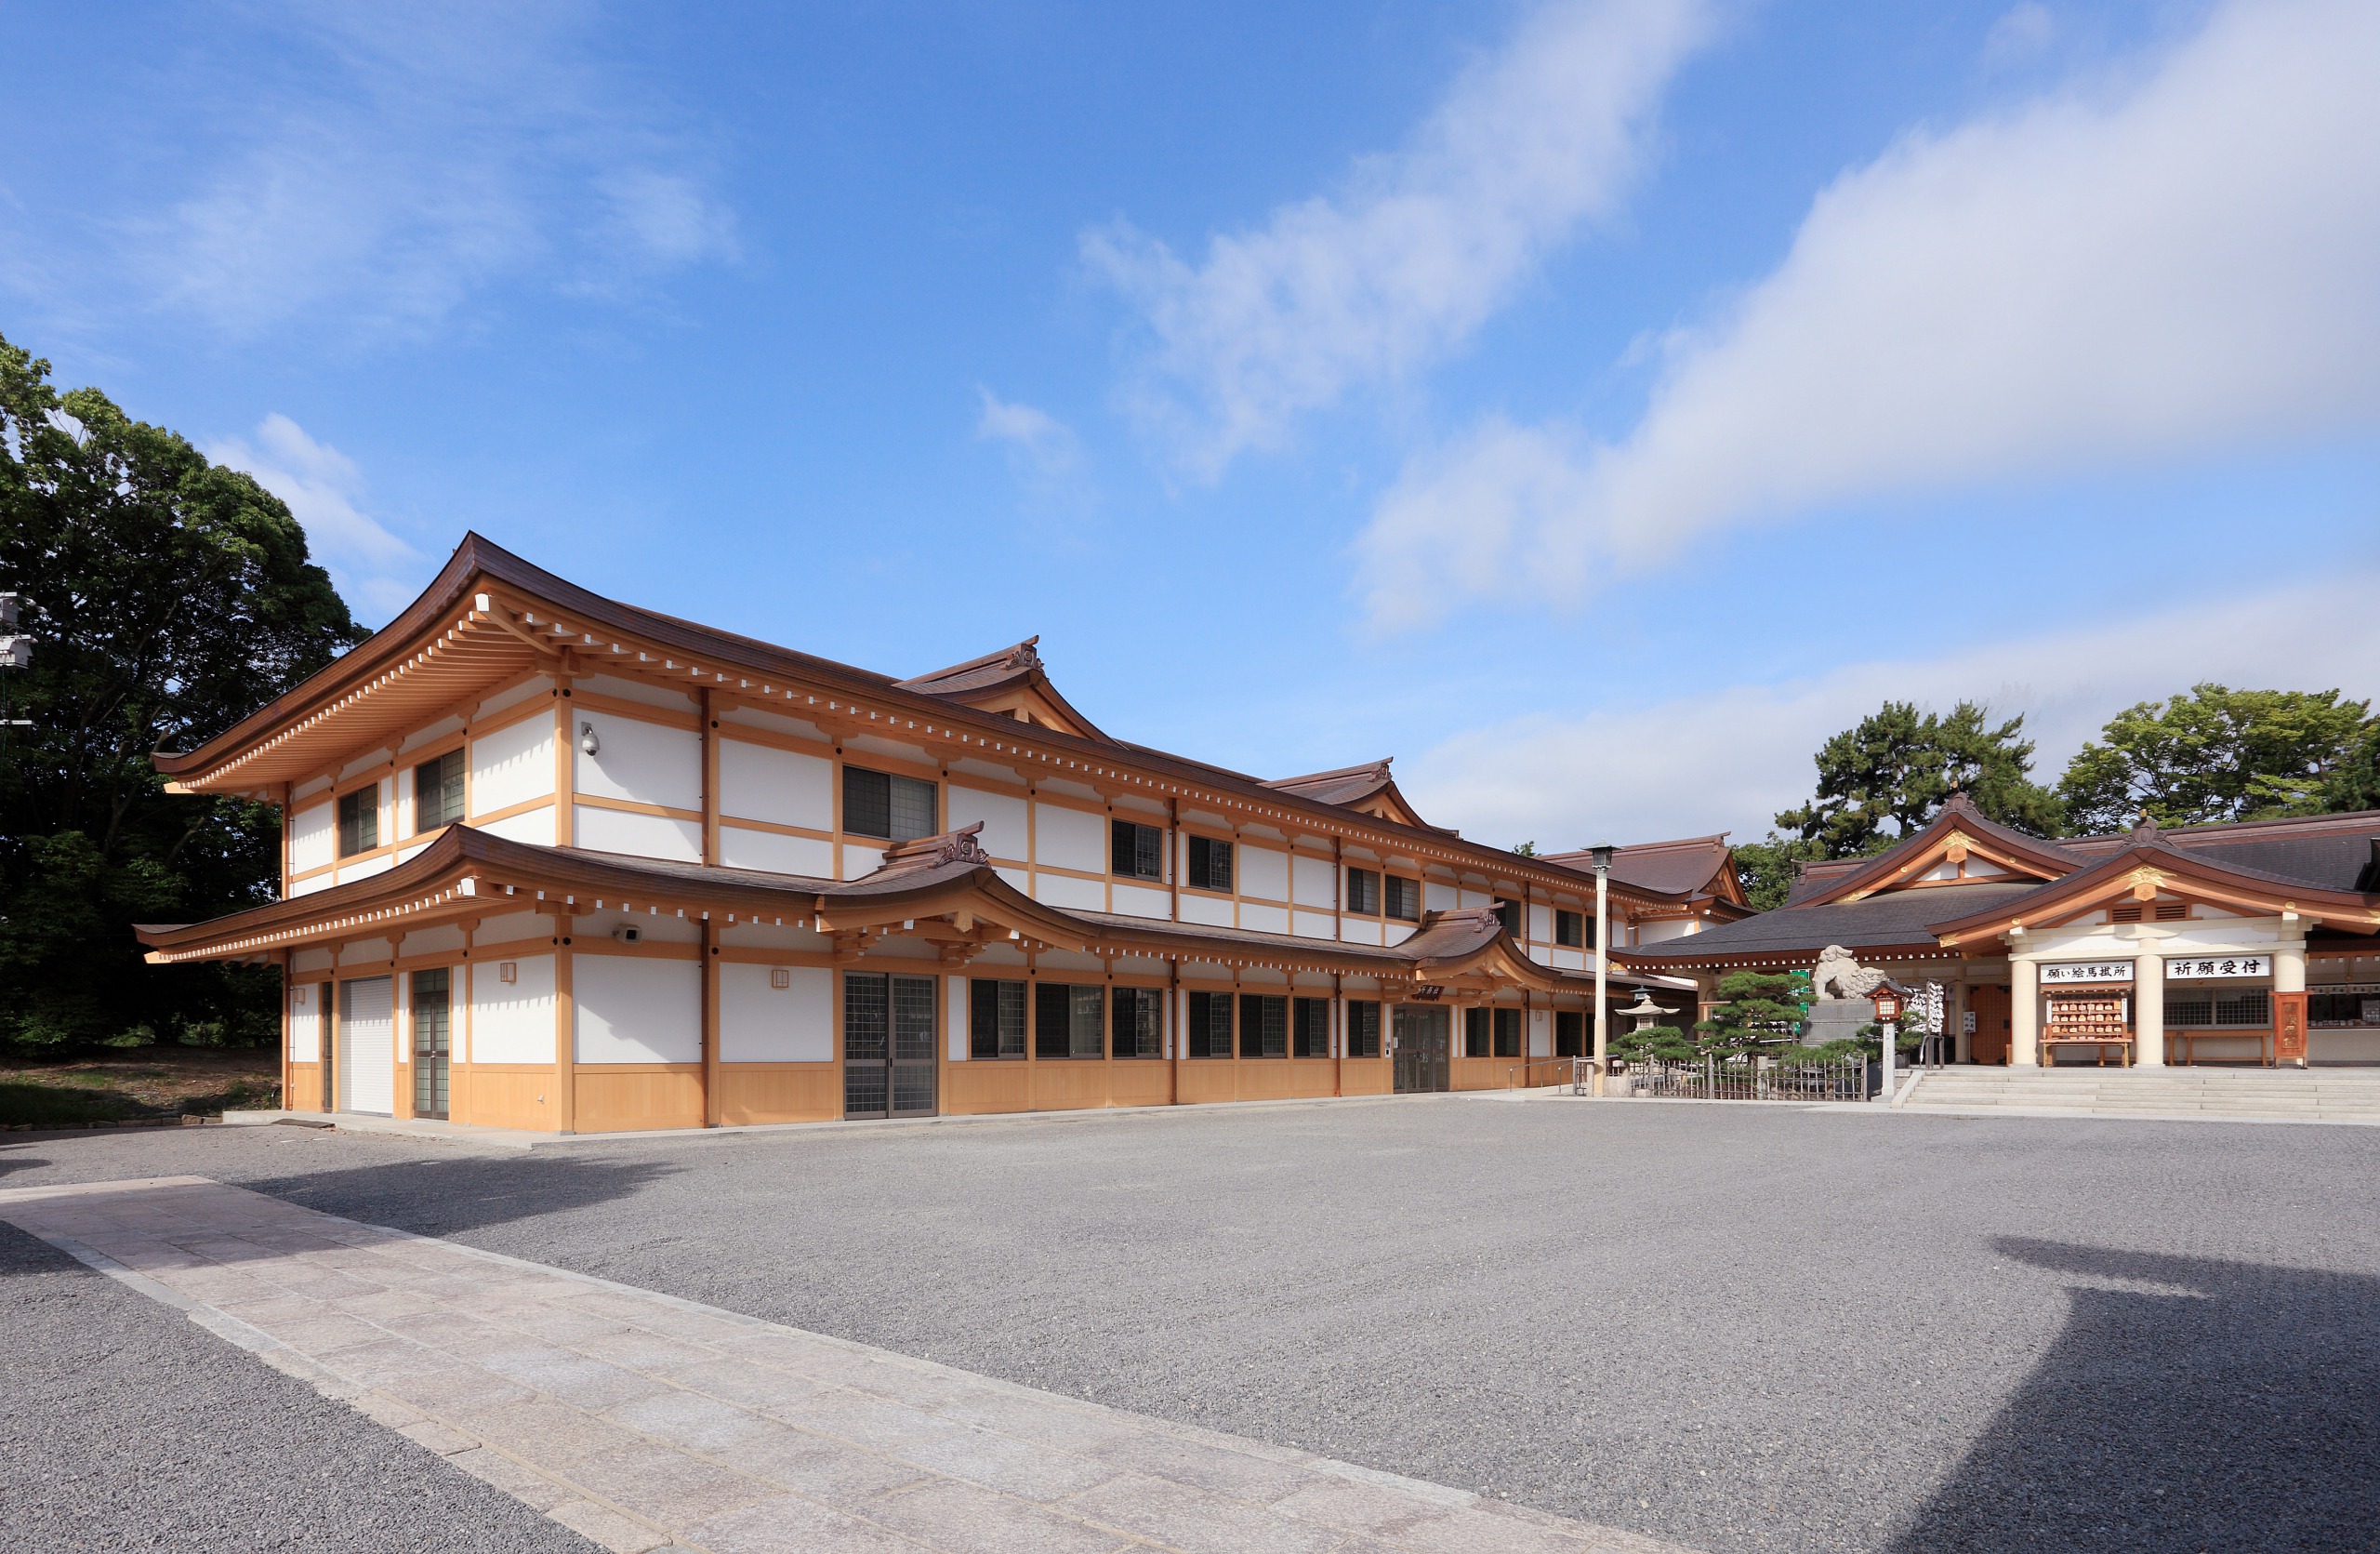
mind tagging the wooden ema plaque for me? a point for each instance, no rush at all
(2289, 1027)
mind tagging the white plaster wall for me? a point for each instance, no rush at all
(313, 833)
(513, 765)
(365, 869)
(760, 782)
(1002, 814)
(311, 960)
(1311, 880)
(631, 1009)
(621, 689)
(1264, 873)
(758, 1023)
(1141, 901)
(1017, 877)
(1212, 911)
(1070, 838)
(535, 686)
(1065, 890)
(1436, 898)
(513, 1022)
(1397, 933)
(1263, 919)
(1541, 1034)
(800, 728)
(1666, 928)
(1474, 899)
(1311, 925)
(306, 1024)
(777, 852)
(955, 1018)
(859, 861)
(444, 939)
(1541, 924)
(1359, 930)
(647, 763)
(648, 836)
(363, 764)
(438, 730)
(1568, 959)
(531, 825)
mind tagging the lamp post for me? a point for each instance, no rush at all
(1888, 1019)
(1601, 855)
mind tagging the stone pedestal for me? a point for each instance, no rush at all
(1837, 1019)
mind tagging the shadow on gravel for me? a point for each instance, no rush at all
(439, 1197)
(2229, 1406)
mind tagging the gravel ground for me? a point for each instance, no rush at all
(1742, 1328)
(123, 1425)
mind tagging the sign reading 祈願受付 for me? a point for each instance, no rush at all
(2186, 968)
(2087, 971)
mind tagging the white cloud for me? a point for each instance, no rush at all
(1732, 758)
(1419, 248)
(1043, 450)
(2021, 34)
(2182, 262)
(412, 160)
(375, 571)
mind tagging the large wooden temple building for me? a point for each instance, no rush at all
(555, 862)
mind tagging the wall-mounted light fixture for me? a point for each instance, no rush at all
(587, 740)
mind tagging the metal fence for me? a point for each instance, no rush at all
(1752, 1079)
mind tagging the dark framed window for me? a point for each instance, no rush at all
(1137, 1020)
(1136, 852)
(1264, 1025)
(1569, 1033)
(1363, 891)
(1477, 1042)
(1363, 1028)
(1210, 864)
(994, 1018)
(438, 791)
(896, 808)
(1209, 1032)
(1508, 1033)
(1569, 929)
(1404, 897)
(1508, 913)
(1069, 1020)
(1310, 1028)
(359, 821)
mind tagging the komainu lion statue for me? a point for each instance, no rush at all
(1838, 976)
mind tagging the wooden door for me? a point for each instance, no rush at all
(1422, 1037)
(1990, 1006)
(888, 1045)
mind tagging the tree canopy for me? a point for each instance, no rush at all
(167, 597)
(2218, 754)
(1899, 767)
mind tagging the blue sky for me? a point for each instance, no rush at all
(1593, 403)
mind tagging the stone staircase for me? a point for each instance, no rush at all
(2278, 1095)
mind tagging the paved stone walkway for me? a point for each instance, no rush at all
(644, 1421)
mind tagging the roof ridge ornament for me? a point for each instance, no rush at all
(931, 852)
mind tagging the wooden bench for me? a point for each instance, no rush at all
(2051, 1041)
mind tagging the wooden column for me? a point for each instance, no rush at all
(712, 1097)
(289, 998)
(565, 1030)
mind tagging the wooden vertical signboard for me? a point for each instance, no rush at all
(2289, 1027)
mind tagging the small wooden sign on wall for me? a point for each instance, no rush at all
(2289, 1027)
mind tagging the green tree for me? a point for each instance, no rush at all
(1767, 869)
(168, 598)
(2217, 754)
(1760, 1012)
(2356, 785)
(1900, 766)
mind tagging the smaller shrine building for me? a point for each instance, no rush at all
(2251, 943)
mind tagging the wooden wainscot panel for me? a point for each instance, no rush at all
(508, 1096)
(1207, 1079)
(780, 1093)
(1267, 1079)
(1069, 1086)
(305, 1088)
(1143, 1084)
(1367, 1076)
(617, 1096)
(1482, 1073)
(1313, 1076)
(970, 1089)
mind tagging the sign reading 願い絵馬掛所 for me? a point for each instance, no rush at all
(2087, 971)
(2189, 968)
